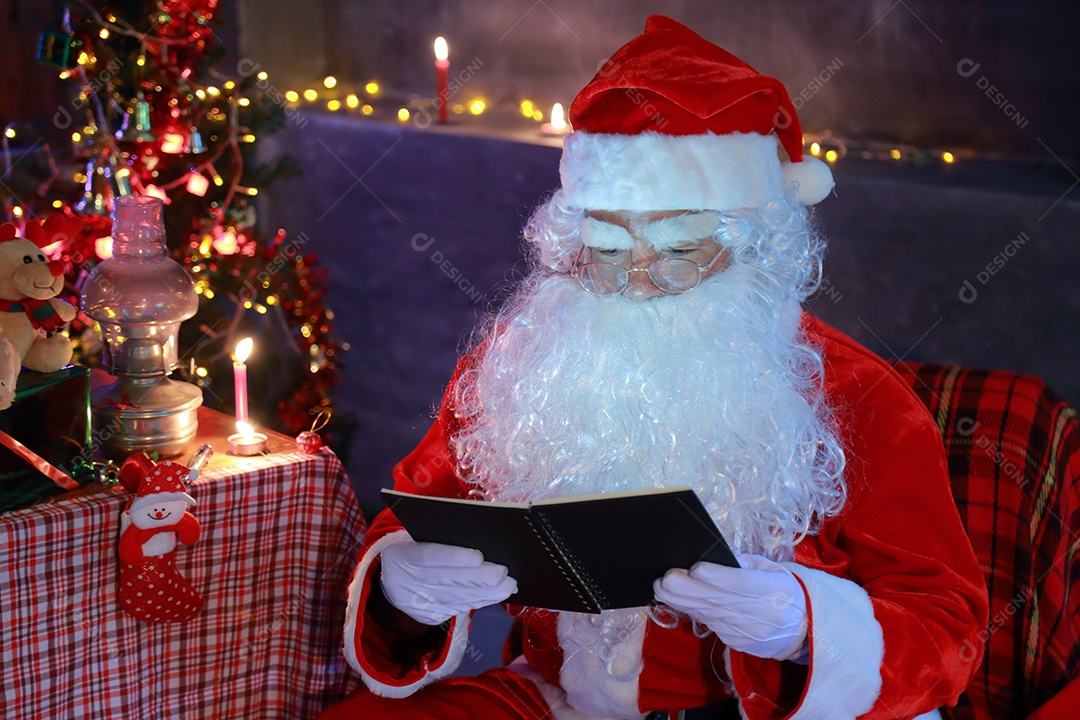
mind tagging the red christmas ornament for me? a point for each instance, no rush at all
(309, 440)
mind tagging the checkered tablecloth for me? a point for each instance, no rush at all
(280, 537)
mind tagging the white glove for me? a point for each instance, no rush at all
(432, 583)
(759, 609)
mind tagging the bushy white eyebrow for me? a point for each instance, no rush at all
(670, 232)
(605, 236)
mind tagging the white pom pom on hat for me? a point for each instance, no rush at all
(673, 122)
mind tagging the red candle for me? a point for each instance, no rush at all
(243, 350)
(442, 67)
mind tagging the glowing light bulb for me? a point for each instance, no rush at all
(442, 50)
(329, 82)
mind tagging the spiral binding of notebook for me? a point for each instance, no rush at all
(593, 597)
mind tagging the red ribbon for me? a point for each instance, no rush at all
(47, 469)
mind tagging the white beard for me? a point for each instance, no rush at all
(714, 389)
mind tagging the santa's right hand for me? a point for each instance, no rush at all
(432, 583)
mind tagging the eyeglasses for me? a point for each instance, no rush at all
(672, 275)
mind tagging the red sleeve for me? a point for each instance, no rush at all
(895, 593)
(392, 664)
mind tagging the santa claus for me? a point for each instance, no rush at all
(660, 342)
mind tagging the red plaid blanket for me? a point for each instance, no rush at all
(1012, 447)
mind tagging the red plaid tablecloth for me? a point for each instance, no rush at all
(280, 537)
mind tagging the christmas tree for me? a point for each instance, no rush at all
(151, 114)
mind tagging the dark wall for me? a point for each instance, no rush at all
(914, 72)
(420, 230)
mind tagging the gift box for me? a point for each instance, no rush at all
(51, 418)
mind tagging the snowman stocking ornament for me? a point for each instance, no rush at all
(153, 524)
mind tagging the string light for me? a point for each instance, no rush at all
(477, 106)
(262, 75)
(243, 102)
(333, 105)
(9, 133)
(229, 84)
(329, 82)
(527, 108)
(403, 114)
(352, 101)
(367, 109)
(292, 95)
(815, 149)
(311, 95)
(831, 156)
(372, 88)
(948, 157)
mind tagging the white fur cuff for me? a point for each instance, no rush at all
(355, 605)
(847, 647)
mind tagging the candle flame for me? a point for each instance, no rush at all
(442, 51)
(558, 117)
(246, 429)
(243, 350)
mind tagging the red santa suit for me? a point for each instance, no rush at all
(894, 594)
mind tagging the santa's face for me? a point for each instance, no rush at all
(158, 513)
(715, 388)
(665, 252)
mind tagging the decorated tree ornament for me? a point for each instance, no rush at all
(58, 49)
(309, 441)
(154, 522)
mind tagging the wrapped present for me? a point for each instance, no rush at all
(44, 436)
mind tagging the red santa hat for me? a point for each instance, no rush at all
(673, 122)
(165, 483)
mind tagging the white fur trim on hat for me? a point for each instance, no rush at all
(651, 171)
(161, 497)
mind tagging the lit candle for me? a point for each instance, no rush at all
(243, 351)
(442, 66)
(557, 126)
(246, 442)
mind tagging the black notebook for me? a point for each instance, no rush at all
(583, 554)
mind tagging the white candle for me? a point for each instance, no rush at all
(243, 351)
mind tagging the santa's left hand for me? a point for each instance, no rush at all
(759, 609)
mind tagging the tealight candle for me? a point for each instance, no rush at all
(558, 125)
(246, 442)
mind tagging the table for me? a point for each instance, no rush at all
(280, 537)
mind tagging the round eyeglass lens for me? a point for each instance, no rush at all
(675, 275)
(602, 278)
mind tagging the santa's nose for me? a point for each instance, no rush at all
(639, 286)
(56, 268)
